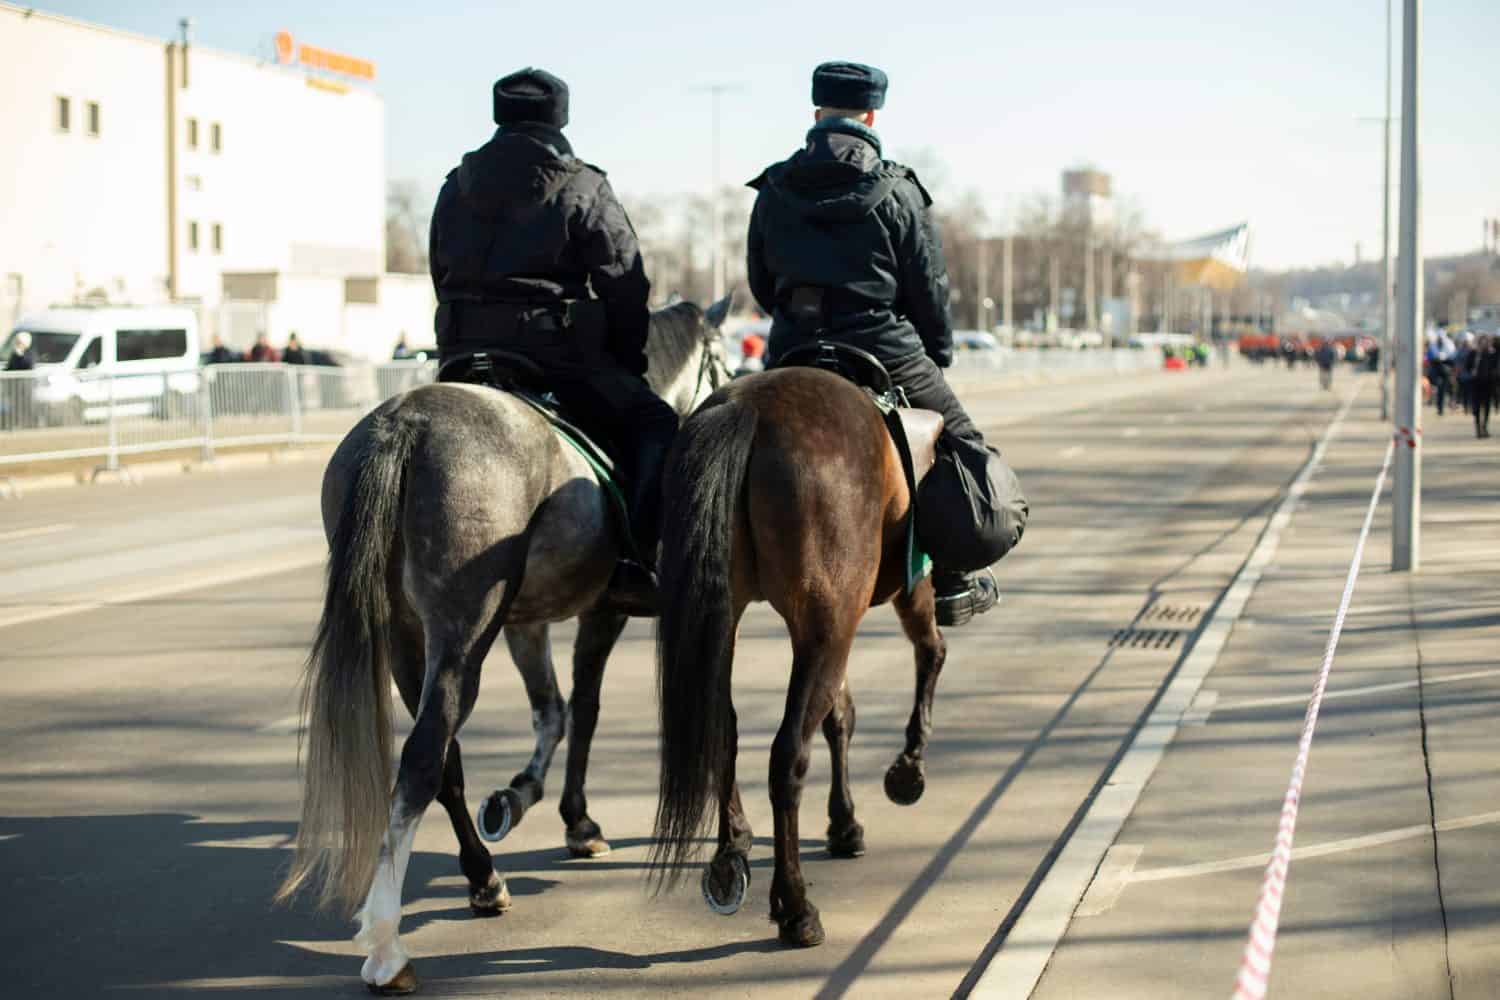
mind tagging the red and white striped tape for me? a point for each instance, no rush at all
(1255, 966)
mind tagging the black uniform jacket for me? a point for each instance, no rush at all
(522, 220)
(837, 217)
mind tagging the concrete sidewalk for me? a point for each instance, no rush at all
(1394, 889)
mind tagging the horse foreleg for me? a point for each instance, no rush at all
(597, 634)
(531, 650)
(906, 778)
(846, 838)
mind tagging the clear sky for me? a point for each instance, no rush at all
(1207, 112)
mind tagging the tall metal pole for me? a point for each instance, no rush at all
(1387, 305)
(981, 283)
(1007, 306)
(718, 210)
(1407, 495)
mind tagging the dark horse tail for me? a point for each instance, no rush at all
(704, 481)
(346, 693)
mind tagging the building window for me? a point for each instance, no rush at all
(64, 115)
(216, 137)
(193, 236)
(93, 118)
(218, 237)
(192, 133)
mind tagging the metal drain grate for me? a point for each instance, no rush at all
(1146, 638)
(1179, 614)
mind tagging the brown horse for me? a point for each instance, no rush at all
(784, 487)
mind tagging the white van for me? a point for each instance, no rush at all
(143, 360)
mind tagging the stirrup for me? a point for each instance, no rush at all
(633, 590)
(957, 608)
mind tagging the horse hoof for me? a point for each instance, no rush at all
(904, 782)
(804, 932)
(498, 814)
(402, 984)
(725, 881)
(491, 900)
(847, 843)
(588, 847)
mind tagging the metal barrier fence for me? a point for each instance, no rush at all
(54, 416)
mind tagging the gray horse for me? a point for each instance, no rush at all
(452, 511)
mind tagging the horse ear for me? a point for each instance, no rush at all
(716, 314)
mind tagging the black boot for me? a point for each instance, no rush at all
(633, 587)
(961, 596)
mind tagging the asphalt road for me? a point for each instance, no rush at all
(151, 637)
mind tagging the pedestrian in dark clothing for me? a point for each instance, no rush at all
(221, 355)
(1483, 369)
(532, 252)
(402, 352)
(20, 354)
(263, 351)
(843, 247)
(1327, 356)
(294, 354)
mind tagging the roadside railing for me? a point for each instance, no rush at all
(1007, 360)
(51, 416)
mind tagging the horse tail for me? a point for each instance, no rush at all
(695, 635)
(346, 688)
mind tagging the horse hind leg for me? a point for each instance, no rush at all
(453, 686)
(906, 779)
(502, 810)
(846, 837)
(488, 895)
(597, 634)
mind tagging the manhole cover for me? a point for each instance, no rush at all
(1180, 614)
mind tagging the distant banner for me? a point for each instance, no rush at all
(1218, 260)
(289, 51)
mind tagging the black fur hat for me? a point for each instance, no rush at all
(849, 85)
(531, 95)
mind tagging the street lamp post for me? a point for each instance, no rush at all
(1387, 307)
(716, 206)
(1407, 493)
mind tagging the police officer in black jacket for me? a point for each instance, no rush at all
(842, 247)
(532, 252)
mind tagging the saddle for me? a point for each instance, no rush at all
(522, 378)
(914, 432)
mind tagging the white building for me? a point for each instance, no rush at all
(137, 170)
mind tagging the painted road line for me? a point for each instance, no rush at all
(37, 532)
(1359, 692)
(180, 585)
(1111, 880)
(1016, 966)
(1201, 708)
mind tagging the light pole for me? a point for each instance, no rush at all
(1387, 307)
(1407, 494)
(715, 91)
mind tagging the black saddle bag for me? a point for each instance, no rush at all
(567, 334)
(970, 508)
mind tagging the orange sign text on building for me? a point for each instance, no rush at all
(289, 51)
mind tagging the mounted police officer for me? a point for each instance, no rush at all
(843, 247)
(532, 253)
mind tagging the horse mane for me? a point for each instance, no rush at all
(674, 337)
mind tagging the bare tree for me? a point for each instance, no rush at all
(405, 229)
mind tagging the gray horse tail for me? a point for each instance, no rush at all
(703, 485)
(346, 693)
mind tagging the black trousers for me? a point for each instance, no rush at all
(926, 389)
(1481, 398)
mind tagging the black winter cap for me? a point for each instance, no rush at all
(531, 95)
(849, 85)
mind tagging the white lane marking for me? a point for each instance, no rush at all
(8, 836)
(1359, 692)
(1131, 432)
(285, 564)
(1313, 851)
(45, 529)
(1018, 964)
(1201, 708)
(1070, 451)
(1114, 874)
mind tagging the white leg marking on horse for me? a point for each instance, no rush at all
(380, 917)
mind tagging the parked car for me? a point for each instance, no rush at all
(974, 340)
(137, 361)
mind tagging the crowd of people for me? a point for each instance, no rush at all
(262, 351)
(1463, 372)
